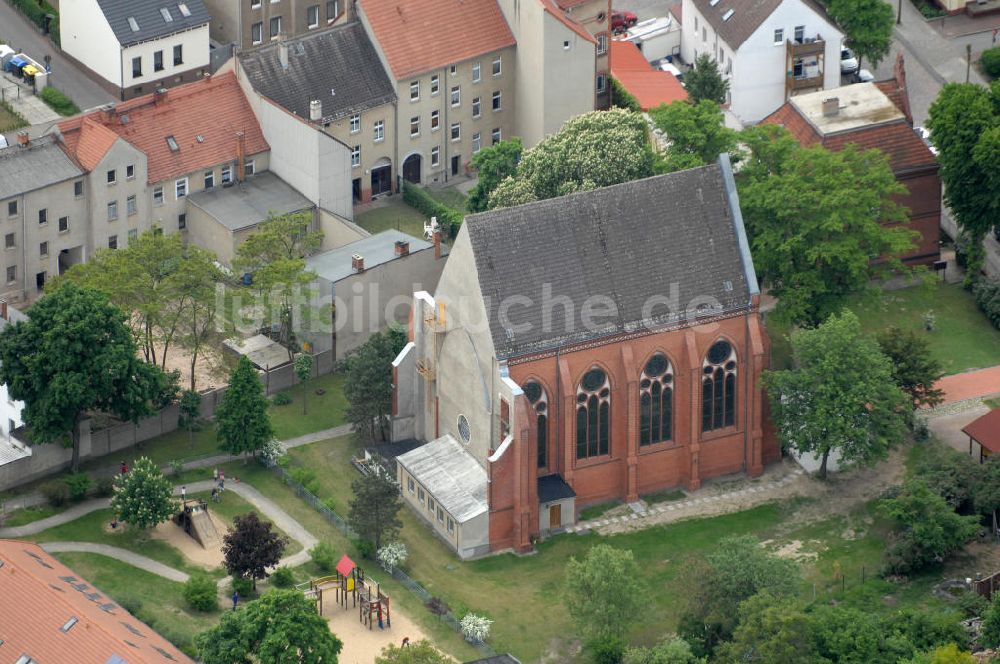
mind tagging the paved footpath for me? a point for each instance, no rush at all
(37, 498)
(130, 557)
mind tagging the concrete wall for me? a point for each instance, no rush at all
(194, 53)
(338, 231)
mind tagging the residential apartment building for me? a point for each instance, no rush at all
(595, 17)
(554, 71)
(250, 23)
(137, 46)
(455, 95)
(768, 50)
(315, 77)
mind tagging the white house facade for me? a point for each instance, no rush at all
(768, 50)
(137, 46)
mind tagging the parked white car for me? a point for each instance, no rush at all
(3, 142)
(848, 63)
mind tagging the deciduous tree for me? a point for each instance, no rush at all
(281, 626)
(964, 121)
(190, 411)
(914, 368)
(374, 509)
(421, 652)
(673, 650)
(705, 81)
(771, 629)
(303, 371)
(73, 355)
(142, 496)
(603, 593)
(251, 546)
(817, 224)
(840, 397)
(696, 131)
(241, 420)
(868, 26)
(493, 165)
(592, 150)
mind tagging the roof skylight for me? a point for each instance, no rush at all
(728, 15)
(132, 23)
(165, 13)
(185, 12)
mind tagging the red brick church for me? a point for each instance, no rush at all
(595, 347)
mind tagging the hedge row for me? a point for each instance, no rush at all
(36, 12)
(987, 294)
(990, 60)
(58, 101)
(622, 98)
(419, 199)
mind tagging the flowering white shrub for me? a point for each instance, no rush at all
(392, 555)
(270, 452)
(476, 628)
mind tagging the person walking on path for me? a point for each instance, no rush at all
(215, 474)
(215, 494)
(236, 599)
(184, 496)
(124, 467)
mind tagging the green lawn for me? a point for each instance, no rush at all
(394, 213)
(323, 411)
(10, 119)
(27, 515)
(963, 338)
(449, 196)
(153, 599)
(91, 528)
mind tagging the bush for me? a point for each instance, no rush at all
(56, 492)
(622, 98)
(330, 504)
(366, 548)
(201, 593)
(606, 650)
(104, 487)
(990, 60)
(322, 554)
(132, 604)
(283, 577)
(990, 636)
(987, 294)
(244, 586)
(417, 198)
(78, 485)
(281, 399)
(972, 604)
(58, 101)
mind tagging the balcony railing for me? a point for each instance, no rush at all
(809, 46)
(804, 82)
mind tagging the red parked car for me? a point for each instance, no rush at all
(622, 20)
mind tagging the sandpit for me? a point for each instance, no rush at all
(175, 536)
(362, 646)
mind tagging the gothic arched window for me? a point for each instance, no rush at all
(656, 391)
(593, 414)
(540, 402)
(718, 400)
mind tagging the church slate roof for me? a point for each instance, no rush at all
(646, 251)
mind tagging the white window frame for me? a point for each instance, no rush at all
(114, 176)
(477, 72)
(130, 172)
(131, 206)
(414, 90)
(435, 84)
(260, 33)
(455, 132)
(180, 188)
(477, 142)
(112, 210)
(456, 96)
(270, 33)
(497, 101)
(779, 36)
(415, 126)
(309, 23)
(497, 66)
(496, 135)
(477, 107)
(602, 43)
(435, 156)
(378, 131)
(209, 179)
(356, 157)
(601, 84)
(249, 168)
(158, 196)
(227, 173)
(435, 120)
(355, 123)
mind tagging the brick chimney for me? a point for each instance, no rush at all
(23, 138)
(831, 107)
(437, 245)
(358, 263)
(159, 95)
(402, 248)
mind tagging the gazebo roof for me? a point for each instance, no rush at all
(986, 430)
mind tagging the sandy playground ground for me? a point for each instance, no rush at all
(175, 536)
(361, 645)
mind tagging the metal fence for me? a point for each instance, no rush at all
(340, 524)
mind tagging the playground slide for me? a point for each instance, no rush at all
(203, 529)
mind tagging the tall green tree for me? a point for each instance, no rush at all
(196, 285)
(705, 81)
(275, 255)
(142, 496)
(303, 367)
(736, 569)
(281, 626)
(964, 121)
(841, 396)
(674, 650)
(928, 529)
(603, 593)
(190, 411)
(251, 546)
(368, 383)
(819, 223)
(72, 356)
(493, 165)
(868, 26)
(374, 509)
(771, 629)
(914, 368)
(696, 132)
(241, 421)
(592, 150)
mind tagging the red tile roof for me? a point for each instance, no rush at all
(41, 596)
(420, 35)
(986, 430)
(205, 118)
(896, 139)
(649, 86)
(90, 144)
